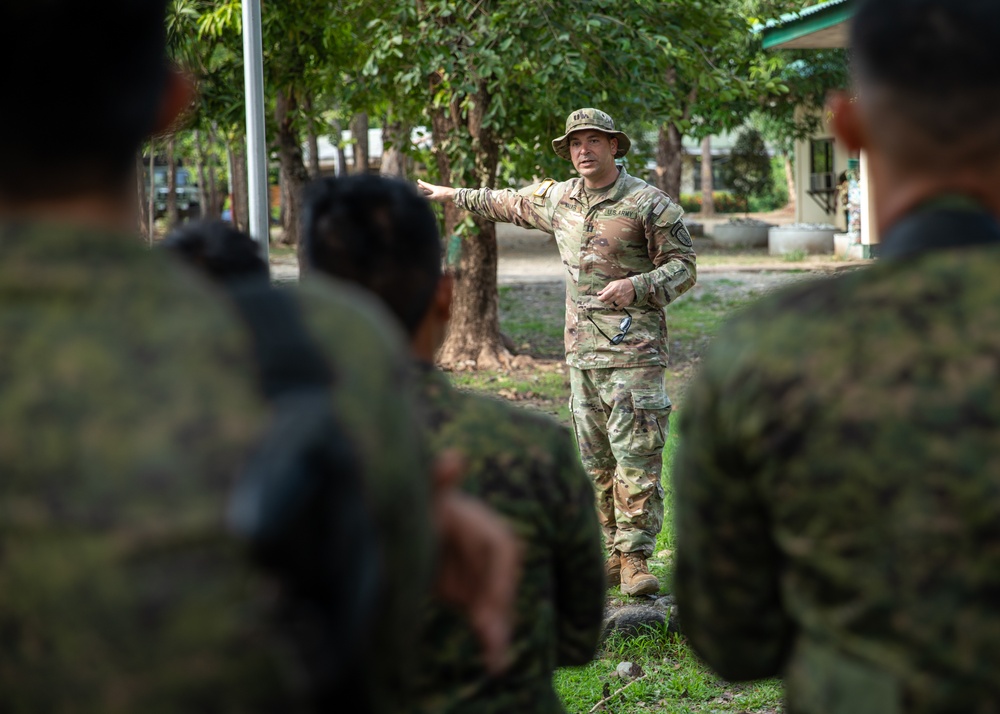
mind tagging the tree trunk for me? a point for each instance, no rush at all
(213, 209)
(312, 141)
(395, 136)
(237, 150)
(204, 200)
(669, 160)
(707, 182)
(140, 189)
(152, 191)
(338, 132)
(293, 171)
(359, 132)
(173, 215)
(790, 180)
(473, 340)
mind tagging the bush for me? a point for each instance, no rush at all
(725, 202)
(749, 169)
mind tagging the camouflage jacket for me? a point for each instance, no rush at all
(525, 466)
(128, 402)
(836, 487)
(633, 231)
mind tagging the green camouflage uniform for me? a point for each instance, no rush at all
(525, 466)
(619, 403)
(837, 486)
(374, 393)
(128, 401)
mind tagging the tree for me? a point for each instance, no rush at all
(703, 53)
(806, 76)
(748, 170)
(492, 75)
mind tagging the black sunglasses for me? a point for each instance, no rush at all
(623, 326)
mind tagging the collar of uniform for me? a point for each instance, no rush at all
(947, 223)
(618, 189)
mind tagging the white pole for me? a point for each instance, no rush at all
(869, 230)
(253, 73)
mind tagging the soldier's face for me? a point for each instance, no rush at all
(593, 155)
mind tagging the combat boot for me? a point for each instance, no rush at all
(636, 578)
(613, 569)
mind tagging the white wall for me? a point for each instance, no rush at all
(807, 210)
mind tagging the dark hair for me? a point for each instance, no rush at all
(937, 60)
(82, 86)
(377, 232)
(217, 248)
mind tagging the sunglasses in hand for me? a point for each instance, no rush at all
(624, 325)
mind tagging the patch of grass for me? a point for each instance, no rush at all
(532, 317)
(277, 250)
(794, 256)
(674, 680)
(543, 385)
(699, 316)
(545, 391)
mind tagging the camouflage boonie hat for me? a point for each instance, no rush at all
(591, 119)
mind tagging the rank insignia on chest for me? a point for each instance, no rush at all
(544, 187)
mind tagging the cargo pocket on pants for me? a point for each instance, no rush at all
(651, 414)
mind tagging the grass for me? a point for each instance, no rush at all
(279, 251)
(675, 679)
(794, 256)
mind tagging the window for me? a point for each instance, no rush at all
(821, 173)
(822, 177)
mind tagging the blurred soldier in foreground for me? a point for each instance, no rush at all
(374, 405)
(381, 234)
(128, 403)
(837, 487)
(627, 255)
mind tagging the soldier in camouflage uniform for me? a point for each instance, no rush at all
(129, 401)
(523, 464)
(837, 487)
(627, 256)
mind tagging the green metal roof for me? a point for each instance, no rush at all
(818, 26)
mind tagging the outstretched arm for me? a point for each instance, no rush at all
(527, 208)
(438, 194)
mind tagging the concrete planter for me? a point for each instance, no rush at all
(697, 230)
(741, 234)
(782, 240)
(842, 243)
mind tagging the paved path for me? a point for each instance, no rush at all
(529, 256)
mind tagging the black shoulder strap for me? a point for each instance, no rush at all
(286, 354)
(296, 504)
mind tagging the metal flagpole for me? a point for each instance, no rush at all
(253, 72)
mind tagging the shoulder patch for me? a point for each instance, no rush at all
(681, 234)
(544, 187)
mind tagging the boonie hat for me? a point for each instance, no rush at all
(590, 119)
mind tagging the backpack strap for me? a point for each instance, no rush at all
(286, 355)
(299, 501)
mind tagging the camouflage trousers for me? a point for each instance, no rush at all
(621, 419)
